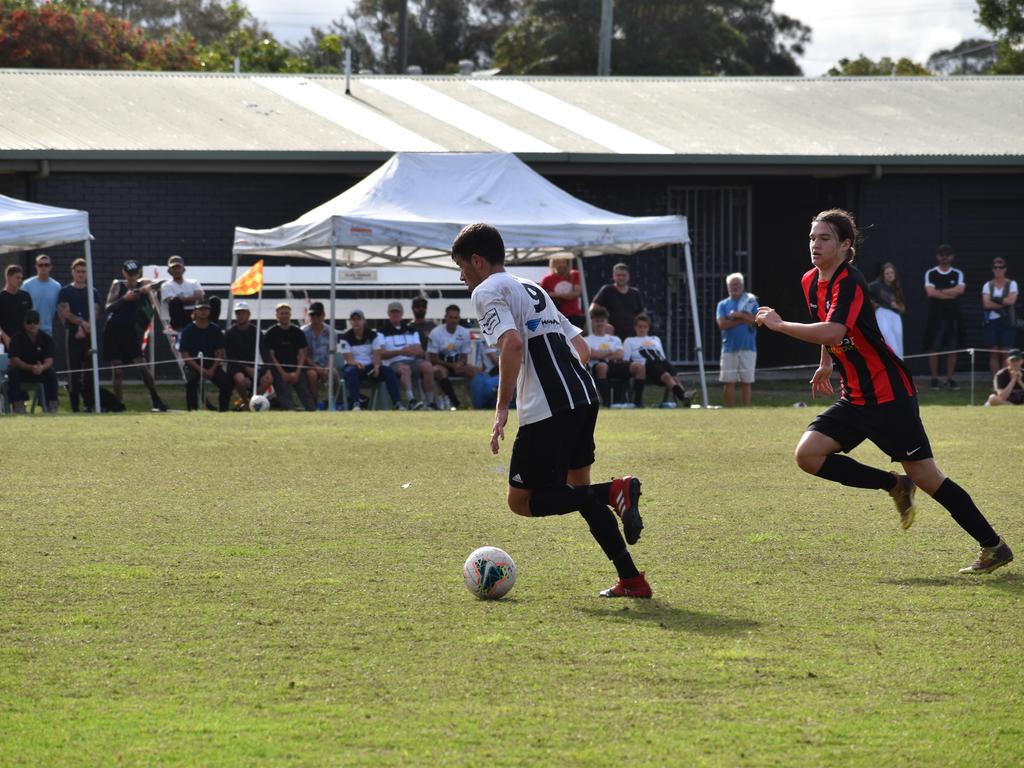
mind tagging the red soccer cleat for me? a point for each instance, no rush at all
(635, 586)
(623, 497)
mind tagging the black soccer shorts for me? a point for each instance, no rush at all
(545, 451)
(121, 342)
(895, 427)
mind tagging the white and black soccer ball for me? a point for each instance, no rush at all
(489, 573)
(259, 403)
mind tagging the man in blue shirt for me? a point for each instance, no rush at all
(737, 315)
(201, 337)
(44, 290)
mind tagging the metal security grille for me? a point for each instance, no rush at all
(719, 219)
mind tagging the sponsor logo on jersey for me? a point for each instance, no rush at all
(489, 321)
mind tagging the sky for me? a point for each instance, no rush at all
(841, 28)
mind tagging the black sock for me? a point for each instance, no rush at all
(604, 387)
(679, 392)
(448, 389)
(843, 469)
(605, 530)
(962, 508)
(562, 501)
(638, 392)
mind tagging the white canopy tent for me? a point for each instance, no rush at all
(409, 210)
(27, 226)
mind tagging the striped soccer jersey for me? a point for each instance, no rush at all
(551, 378)
(870, 372)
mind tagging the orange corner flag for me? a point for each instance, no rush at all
(249, 283)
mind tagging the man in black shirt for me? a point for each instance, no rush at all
(622, 302)
(31, 362)
(14, 303)
(284, 348)
(200, 337)
(240, 347)
(944, 286)
(73, 308)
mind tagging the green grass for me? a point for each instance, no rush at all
(271, 589)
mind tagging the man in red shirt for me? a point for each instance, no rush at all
(878, 400)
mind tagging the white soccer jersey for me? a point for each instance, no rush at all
(449, 347)
(607, 343)
(551, 378)
(640, 349)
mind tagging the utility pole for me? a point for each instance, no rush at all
(604, 50)
(403, 36)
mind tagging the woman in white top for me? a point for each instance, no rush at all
(887, 298)
(998, 296)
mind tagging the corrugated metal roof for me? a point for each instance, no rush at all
(120, 115)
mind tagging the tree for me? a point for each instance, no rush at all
(1005, 19)
(66, 36)
(863, 66)
(970, 57)
(655, 37)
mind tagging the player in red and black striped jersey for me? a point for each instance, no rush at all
(878, 400)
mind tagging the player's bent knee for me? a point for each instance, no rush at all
(807, 459)
(519, 501)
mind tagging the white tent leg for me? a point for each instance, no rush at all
(332, 333)
(584, 297)
(698, 344)
(94, 352)
(231, 293)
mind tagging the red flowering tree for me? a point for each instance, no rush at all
(55, 35)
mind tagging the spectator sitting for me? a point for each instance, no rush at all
(320, 344)
(240, 348)
(14, 303)
(31, 362)
(1008, 383)
(647, 362)
(73, 308)
(403, 353)
(361, 349)
(44, 291)
(737, 317)
(201, 337)
(419, 320)
(606, 358)
(622, 302)
(448, 350)
(562, 284)
(483, 389)
(286, 355)
(179, 294)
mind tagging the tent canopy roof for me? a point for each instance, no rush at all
(25, 226)
(410, 209)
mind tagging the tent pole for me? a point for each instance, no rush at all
(584, 296)
(332, 331)
(94, 352)
(698, 344)
(231, 293)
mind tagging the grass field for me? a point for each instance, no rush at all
(209, 589)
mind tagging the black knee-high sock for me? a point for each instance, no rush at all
(638, 391)
(962, 508)
(679, 392)
(562, 501)
(605, 530)
(604, 388)
(448, 389)
(843, 469)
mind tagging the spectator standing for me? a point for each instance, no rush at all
(944, 285)
(622, 302)
(737, 317)
(319, 341)
(606, 358)
(14, 303)
(998, 297)
(647, 363)
(44, 291)
(562, 284)
(31, 362)
(361, 350)
(419, 320)
(179, 294)
(73, 308)
(404, 354)
(286, 354)
(121, 342)
(448, 351)
(201, 337)
(887, 298)
(1008, 383)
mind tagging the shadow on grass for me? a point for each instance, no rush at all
(674, 619)
(1009, 582)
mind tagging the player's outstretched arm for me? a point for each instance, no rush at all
(814, 333)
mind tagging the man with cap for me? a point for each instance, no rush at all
(361, 348)
(1008, 383)
(121, 342)
(201, 345)
(31, 362)
(286, 353)
(319, 349)
(404, 354)
(179, 294)
(240, 348)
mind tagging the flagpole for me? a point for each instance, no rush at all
(256, 362)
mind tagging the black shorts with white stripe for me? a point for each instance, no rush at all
(546, 450)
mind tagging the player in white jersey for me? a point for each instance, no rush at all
(542, 363)
(647, 363)
(606, 358)
(448, 348)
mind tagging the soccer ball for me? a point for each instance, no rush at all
(259, 403)
(489, 573)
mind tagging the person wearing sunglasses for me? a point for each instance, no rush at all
(44, 291)
(31, 359)
(998, 297)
